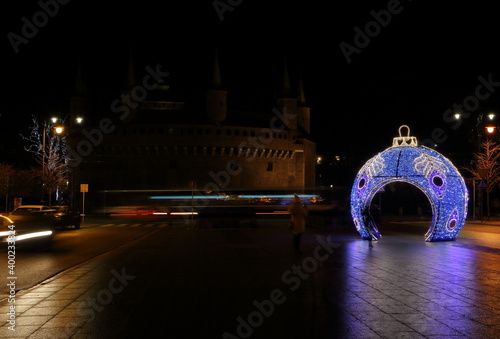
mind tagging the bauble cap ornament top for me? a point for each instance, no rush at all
(404, 141)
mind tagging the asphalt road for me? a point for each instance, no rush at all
(71, 247)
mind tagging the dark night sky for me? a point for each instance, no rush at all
(425, 60)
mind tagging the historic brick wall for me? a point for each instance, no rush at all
(160, 157)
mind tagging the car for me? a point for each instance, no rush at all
(28, 225)
(65, 216)
(131, 210)
(23, 209)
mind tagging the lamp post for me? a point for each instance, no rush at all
(56, 126)
(56, 130)
(490, 125)
(484, 122)
(60, 127)
(485, 127)
(43, 163)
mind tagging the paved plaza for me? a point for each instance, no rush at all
(180, 282)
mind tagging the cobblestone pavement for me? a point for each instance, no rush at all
(248, 283)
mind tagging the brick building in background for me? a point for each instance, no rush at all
(162, 145)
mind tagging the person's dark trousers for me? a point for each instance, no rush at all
(296, 242)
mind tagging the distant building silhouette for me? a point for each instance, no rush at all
(162, 144)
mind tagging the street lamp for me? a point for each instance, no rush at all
(56, 128)
(490, 126)
(62, 121)
(43, 162)
(59, 129)
(485, 127)
(69, 129)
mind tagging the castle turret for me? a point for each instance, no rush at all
(131, 82)
(216, 102)
(286, 103)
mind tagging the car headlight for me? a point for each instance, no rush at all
(33, 235)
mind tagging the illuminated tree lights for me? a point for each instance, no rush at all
(422, 167)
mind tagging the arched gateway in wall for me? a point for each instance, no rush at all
(422, 167)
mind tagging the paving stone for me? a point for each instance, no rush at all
(204, 283)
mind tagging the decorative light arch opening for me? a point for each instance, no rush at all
(422, 167)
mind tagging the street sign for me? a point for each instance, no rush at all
(84, 188)
(482, 183)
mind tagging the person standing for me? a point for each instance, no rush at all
(298, 215)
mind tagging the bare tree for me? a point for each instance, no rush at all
(49, 151)
(485, 165)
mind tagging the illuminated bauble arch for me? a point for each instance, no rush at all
(422, 167)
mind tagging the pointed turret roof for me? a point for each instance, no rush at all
(301, 98)
(286, 89)
(80, 85)
(216, 79)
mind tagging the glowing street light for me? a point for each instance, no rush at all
(490, 129)
(62, 121)
(58, 130)
(56, 127)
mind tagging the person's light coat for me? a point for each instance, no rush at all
(298, 216)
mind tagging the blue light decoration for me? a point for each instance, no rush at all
(421, 167)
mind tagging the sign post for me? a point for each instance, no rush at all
(84, 188)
